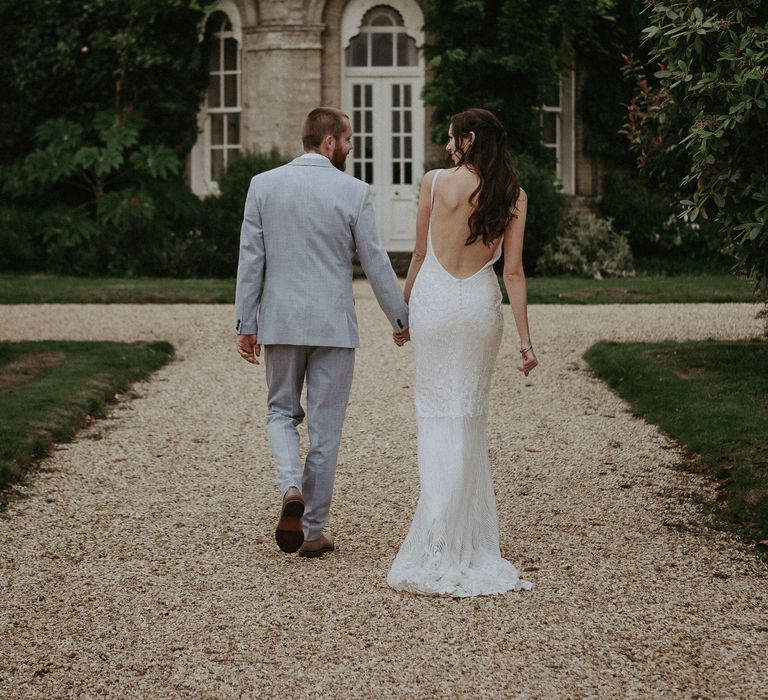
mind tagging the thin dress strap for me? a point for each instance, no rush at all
(431, 204)
(432, 194)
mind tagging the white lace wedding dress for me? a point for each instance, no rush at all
(452, 547)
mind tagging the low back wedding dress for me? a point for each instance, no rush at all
(452, 547)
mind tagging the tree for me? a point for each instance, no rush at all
(700, 129)
(505, 56)
(73, 58)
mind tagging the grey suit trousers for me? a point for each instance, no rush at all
(328, 374)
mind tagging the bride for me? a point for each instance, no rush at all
(467, 214)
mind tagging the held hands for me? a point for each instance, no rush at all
(401, 338)
(248, 348)
(529, 361)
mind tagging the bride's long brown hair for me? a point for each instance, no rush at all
(495, 198)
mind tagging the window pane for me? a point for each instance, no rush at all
(396, 121)
(406, 51)
(233, 129)
(395, 95)
(408, 179)
(357, 51)
(357, 144)
(355, 95)
(395, 173)
(230, 54)
(369, 173)
(408, 147)
(217, 129)
(381, 50)
(395, 146)
(214, 91)
(214, 64)
(357, 121)
(382, 20)
(369, 95)
(358, 169)
(217, 163)
(407, 100)
(408, 128)
(230, 90)
(549, 127)
(368, 121)
(552, 96)
(368, 147)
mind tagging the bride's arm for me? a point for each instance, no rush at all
(514, 280)
(422, 224)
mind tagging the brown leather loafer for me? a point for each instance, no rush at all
(318, 546)
(290, 528)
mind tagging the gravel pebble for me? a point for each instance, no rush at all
(142, 562)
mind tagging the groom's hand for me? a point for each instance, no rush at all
(401, 338)
(249, 348)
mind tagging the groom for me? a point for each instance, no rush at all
(303, 223)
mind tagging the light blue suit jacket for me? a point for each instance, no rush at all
(302, 224)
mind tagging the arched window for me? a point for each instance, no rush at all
(382, 41)
(222, 102)
(382, 80)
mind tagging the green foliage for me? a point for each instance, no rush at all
(699, 130)
(74, 58)
(614, 31)
(106, 155)
(590, 247)
(546, 209)
(92, 198)
(652, 229)
(98, 107)
(505, 55)
(213, 247)
(478, 57)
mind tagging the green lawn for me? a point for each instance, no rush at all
(48, 389)
(51, 289)
(640, 290)
(713, 398)
(54, 289)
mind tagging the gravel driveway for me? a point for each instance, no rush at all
(143, 562)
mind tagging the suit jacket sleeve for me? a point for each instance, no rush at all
(378, 268)
(250, 269)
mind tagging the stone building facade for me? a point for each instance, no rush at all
(275, 60)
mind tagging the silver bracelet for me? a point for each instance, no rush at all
(526, 349)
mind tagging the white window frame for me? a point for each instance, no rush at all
(201, 180)
(563, 146)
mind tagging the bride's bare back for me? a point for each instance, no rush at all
(450, 224)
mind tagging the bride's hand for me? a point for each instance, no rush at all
(529, 362)
(401, 338)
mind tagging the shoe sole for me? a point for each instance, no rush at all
(290, 530)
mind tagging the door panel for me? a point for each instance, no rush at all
(388, 147)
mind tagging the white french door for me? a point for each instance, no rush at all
(388, 150)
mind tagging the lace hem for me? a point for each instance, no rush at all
(492, 578)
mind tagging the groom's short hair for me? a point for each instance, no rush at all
(322, 122)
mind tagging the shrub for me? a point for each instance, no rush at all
(213, 243)
(653, 230)
(699, 130)
(590, 247)
(546, 210)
